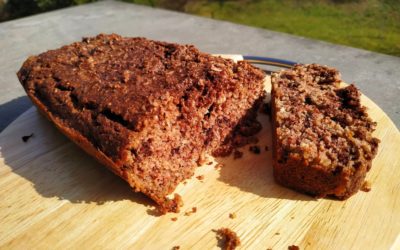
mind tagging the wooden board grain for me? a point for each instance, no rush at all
(53, 195)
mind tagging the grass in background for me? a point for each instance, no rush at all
(369, 24)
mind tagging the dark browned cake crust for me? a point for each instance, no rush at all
(148, 110)
(323, 143)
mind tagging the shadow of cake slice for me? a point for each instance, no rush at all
(148, 110)
(323, 143)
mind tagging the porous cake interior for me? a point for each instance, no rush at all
(323, 135)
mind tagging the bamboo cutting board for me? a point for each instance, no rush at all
(54, 196)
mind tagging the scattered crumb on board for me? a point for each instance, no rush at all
(176, 248)
(227, 238)
(232, 215)
(194, 210)
(200, 177)
(293, 247)
(171, 205)
(25, 138)
(366, 186)
(174, 218)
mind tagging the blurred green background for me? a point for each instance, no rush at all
(368, 24)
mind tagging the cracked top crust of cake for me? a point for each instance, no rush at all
(133, 81)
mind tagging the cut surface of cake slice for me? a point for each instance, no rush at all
(148, 110)
(322, 135)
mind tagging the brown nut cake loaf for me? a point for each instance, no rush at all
(148, 110)
(323, 143)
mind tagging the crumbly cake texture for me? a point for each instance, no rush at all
(148, 110)
(322, 135)
(228, 238)
(243, 134)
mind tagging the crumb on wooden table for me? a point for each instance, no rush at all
(209, 163)
(366, 186)
(228, 238)
(255, 149)
(174, 218)
(232, 215)
(277, 233)
(293, 247)
(176, 248)
(200, 177)
(194, 210)
(173, 205)
(25, 138)
(237, 154)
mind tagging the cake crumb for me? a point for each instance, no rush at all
(232, 215)
(194, 210)
(200, 177)
(171, 205)
(176, 248)
(277, 233)
(25, 138)
(366, 186)
(174, 218)
(209, 163)
(293, 247)
(185, 182)
(237, 154)
(227, 238)
(255, 149)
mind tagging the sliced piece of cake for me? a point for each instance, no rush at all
(323, 143)
(148, 110)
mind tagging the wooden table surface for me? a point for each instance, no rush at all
(54, 196)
